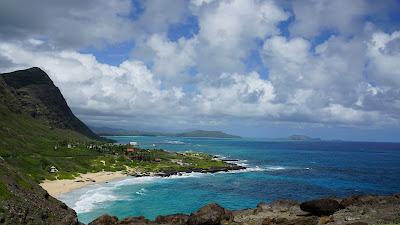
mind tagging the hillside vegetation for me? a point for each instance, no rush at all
(38, 132)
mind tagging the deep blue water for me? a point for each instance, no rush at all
(294, 170)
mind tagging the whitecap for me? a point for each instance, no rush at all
(91, 199)
(174, 142)
(277, 168)
(141, 191)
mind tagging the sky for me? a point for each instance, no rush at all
(256, 68)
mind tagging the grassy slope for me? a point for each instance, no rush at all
(28, 144)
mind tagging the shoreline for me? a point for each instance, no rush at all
(56, 188)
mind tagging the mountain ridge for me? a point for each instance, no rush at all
(35, 94)
(107, 131)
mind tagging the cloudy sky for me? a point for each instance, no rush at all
(324, 68)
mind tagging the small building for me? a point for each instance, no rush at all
(157, 160)
(133, 143)
(53, 169)
(69, 146)
(55, 147)
(130, 150)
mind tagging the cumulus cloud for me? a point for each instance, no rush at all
(328, 83)
(345, 17)
(171, 58)
(127, 89)
(349, 78)
(67, 24)
(384, 52)
(228, 30)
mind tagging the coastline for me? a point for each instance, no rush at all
(57, 187)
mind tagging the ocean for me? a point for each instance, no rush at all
(276, 169)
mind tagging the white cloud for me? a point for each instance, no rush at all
(314, 16)
(328, 83)
(242, 95)
(171, 58)
(384, 54)
(129, 89)
(350, 78)
(228, 30)
(70, 24)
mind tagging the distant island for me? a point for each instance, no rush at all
(297, 137)
(107, 131)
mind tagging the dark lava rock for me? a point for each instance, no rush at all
(274, 221)
(29, 203)
(2, 218)
(321, 207)
(176, 219)
(211, 214)
(360, 200)
(140, 220)
(105, 220)
(309, 220)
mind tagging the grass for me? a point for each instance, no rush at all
(4, 192)
(29, 145)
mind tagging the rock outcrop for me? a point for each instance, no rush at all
(211, 214)
(355, 210)
(24, 202)
(34, 93)
(321, 207)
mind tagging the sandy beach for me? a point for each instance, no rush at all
(58, 187)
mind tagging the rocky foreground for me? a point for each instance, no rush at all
(355, 210)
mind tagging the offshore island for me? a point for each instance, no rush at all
(42, 142)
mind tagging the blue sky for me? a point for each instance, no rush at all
(259, 68)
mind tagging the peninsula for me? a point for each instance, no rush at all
(42, 141)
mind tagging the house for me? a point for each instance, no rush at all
(133, 143)
(69, 146)
(157, 160)
(129, 150)
(53, 169)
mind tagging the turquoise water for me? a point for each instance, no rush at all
(295, 170)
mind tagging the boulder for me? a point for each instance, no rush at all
(321, 207)
(175, 219)
(105, 220)
(211, 214)
(359, 223)
(138, 220)
(273, 221)
(360, 200)
(309, 220)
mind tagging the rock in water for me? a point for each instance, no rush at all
(176, 219)
(321, 207)
(211, 214)
(105, 220)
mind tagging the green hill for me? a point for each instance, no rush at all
(29, 135)
(107, 131)
(35, 94)
(38, 131)
(205, 133)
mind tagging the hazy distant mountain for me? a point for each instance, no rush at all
(205, 133)
(297, 137)
(107, 131)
